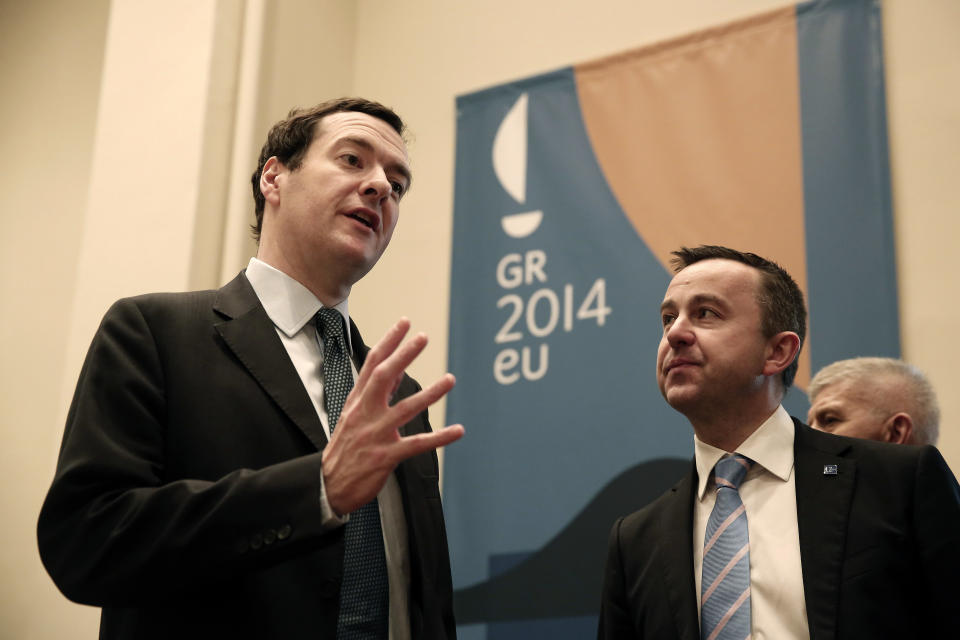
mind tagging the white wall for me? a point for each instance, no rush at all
(67, 191)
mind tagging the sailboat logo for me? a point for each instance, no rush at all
(510, 165)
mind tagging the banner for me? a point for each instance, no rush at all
(572, 188)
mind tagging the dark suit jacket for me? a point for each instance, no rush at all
(186, 496)
(879, 546)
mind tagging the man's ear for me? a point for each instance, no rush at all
(898, 429)
(781, 351)
(269, 185)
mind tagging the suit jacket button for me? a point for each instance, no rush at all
(256, 541)
(269, 536)
(243, 545)
(284, 532)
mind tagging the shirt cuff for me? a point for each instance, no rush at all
(329, 518)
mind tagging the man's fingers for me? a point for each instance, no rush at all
(383, 349)
(394, 387)
(383, 377)
(422, 442)
(406, 409)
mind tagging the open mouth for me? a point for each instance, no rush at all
(361, 219)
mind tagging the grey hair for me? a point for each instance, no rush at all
(924, 410)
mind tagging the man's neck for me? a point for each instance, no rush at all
(728, 429)
(327, 293)
(327, 286)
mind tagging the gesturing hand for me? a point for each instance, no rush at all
(366, 445)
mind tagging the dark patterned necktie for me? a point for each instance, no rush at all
(364, 591)
(725, 578)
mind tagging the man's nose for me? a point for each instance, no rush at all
(375, 183)
(680, 333)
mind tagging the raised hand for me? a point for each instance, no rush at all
(366, 445)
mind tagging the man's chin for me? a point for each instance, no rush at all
(359, 260)
(681, 398)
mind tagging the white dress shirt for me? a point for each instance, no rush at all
(768, 492)
(292, 308)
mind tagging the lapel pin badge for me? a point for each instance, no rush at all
(829, 469)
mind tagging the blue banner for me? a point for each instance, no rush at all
(571, 189)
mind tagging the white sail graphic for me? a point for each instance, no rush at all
(510, 165)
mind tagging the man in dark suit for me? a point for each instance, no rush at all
(779, 531)
(205, 487)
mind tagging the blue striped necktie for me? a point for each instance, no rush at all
(725, 579)
(364, 591)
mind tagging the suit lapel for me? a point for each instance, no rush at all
(677, 536)
(823, 509)
(251, 335)
(359, 350)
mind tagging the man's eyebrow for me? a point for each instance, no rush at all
(397, 167)
(699, 298)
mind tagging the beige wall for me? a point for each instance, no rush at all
(85, 224)
(50, 61)
(922, 41)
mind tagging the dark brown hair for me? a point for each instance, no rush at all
(780, 299)
(290, 138)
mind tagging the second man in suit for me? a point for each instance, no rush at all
(778, 531)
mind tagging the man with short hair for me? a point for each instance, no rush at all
(237, 463)
(882, 399)
(779, 530)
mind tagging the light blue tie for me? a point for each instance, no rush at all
(725, 579)
(364, 591)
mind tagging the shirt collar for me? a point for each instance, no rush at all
(770, 447)
(289, 304)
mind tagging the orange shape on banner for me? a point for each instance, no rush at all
(699, 139)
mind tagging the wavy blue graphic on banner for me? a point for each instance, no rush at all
(554, 330)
